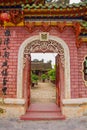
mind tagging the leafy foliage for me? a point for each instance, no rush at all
(52, 74)
(34, 78)
(43, 76)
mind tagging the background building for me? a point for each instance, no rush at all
(39, 67)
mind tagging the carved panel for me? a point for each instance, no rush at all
(51, 46)
(84, 70)
(16, 16)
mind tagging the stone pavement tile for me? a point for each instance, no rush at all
(43, 92)
(5, 124)
(76, 124)
(34, 125)
(68, 124)
(3, 129)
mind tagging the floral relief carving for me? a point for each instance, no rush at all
(51, 46)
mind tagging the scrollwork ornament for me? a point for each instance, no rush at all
(44, 47)
(51, 46)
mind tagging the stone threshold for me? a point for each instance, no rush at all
(77, 101)
(12, 101)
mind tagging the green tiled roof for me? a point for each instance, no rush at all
(84, 24)
(54, 6)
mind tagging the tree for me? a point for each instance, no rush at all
(52, 74)
(34, 79)
(44, 77)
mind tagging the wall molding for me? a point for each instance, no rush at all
(77, 101)
(14, 101)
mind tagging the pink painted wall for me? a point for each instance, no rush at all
(19, 34)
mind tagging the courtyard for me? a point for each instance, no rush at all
(43, 92)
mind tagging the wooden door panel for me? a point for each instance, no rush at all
(57, 81)
(27, 80)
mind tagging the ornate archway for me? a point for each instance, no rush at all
(53, 45)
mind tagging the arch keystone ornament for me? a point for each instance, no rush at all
(53, 45)
(44, 36)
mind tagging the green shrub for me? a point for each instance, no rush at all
(52, 74)
(43, 77)
(34, 78)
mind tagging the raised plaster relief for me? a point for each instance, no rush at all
(38, 46)
(84, 72)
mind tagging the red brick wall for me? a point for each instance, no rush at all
(19, 34)
(69, 37)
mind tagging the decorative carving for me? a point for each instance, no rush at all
(85, 70)
(29, 26)
(77, 28)
(45, 26)
(38, 46)
(61, 26)
(44, 36)
(78, 42)
(16, 16)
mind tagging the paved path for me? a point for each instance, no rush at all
(69, 124)
(43, 92)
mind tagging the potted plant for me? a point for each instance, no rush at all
(52, 75)
(34, 79)
(43, 76)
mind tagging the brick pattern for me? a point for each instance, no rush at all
(19, 34)
(69, 37)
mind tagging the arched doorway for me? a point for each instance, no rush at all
(43, 75)
(53, 45)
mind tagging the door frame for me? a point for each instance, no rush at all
(21, 63)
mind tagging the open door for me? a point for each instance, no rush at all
(57, 80)
(27, 80)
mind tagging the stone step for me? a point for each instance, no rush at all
(44, 107)
(42, 116)
(40, 111)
